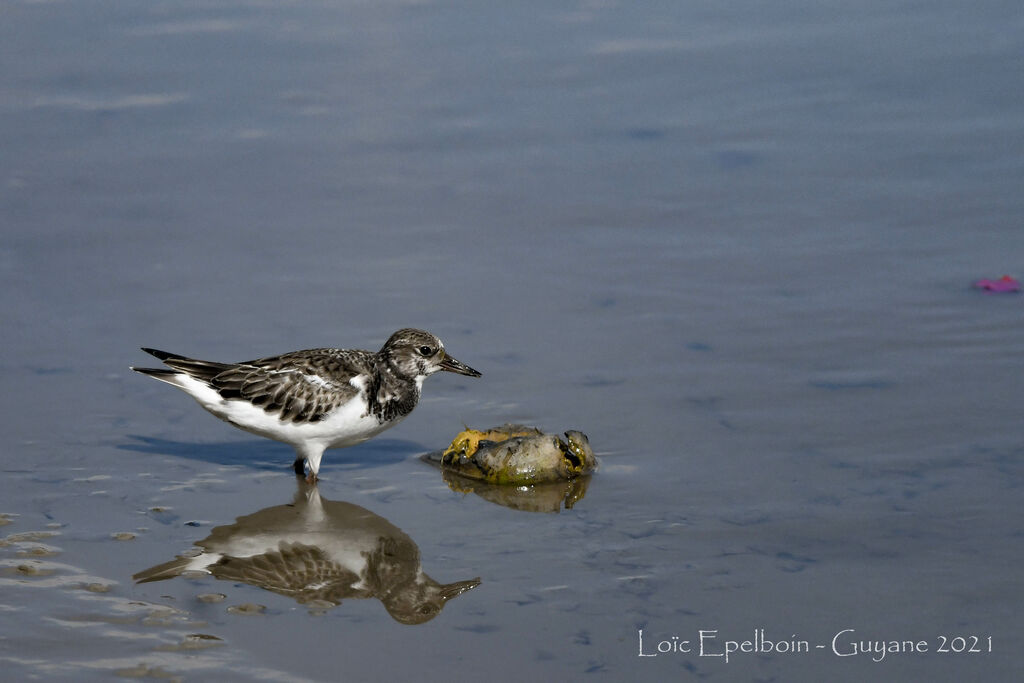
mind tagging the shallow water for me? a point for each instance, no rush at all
(733, 245)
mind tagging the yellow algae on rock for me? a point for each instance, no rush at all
(468, 441)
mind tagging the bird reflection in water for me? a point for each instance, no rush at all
(320, 552)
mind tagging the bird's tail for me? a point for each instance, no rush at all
(203, 370)
(162, 374)
(167, 570)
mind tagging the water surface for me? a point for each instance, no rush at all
(731, 244)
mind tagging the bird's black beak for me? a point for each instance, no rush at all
(451, 365)
(454, 590)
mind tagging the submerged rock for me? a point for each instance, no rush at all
(517, 455)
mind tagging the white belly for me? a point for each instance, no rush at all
(345, 426)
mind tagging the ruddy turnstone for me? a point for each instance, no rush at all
(318, 398)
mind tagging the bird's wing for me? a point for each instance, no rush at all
(302, 386)
(302, 572)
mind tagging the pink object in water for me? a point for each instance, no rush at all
(1003, 284)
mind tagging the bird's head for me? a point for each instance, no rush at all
(416, 353)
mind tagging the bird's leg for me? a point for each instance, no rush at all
(309, 454)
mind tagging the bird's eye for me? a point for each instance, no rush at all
(425, 351)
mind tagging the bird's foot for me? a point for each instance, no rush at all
(311, 478)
